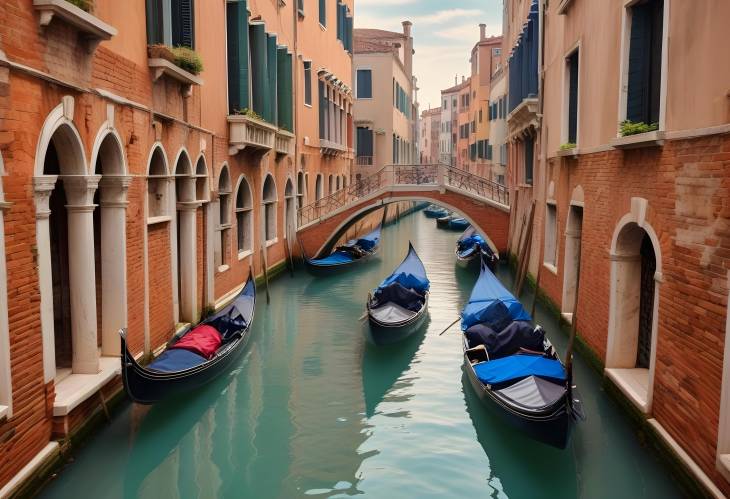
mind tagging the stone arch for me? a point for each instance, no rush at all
(572, 252)
(289, 208)
(577, 197)
(635, 252)
(110, 240)
(318, 188)
(185, 237)
(202, 190)
(301, 190)
(244, 216)
(269, 198)
(64, 201)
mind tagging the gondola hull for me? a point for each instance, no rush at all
(148, 386)
(326, 270)
(552, 428)
(381, 333)
(435, 213)
(443, 222)
(472, 260)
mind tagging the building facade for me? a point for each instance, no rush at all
(139, 186)
(496, 148)
(449, 126)
(385, 110)
(626, 158)
(430, 135)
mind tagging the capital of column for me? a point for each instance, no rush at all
(189, 205)
(113, 189)
(80, 208)
(43, 187)
(80, 189)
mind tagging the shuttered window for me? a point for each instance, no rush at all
(322, 110)
(300, 7)
(155, 22)
(529, 149)
(260, 99)
(364, 84)
(308, 83)
(285, 95)
(573, 98)
(237, 44)
(183, 23)
(323, 12)
(364, 142)
(645, 55)
(272, 84)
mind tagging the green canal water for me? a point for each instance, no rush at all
(315, 410)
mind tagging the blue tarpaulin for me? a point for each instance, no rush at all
(491, 303)
(176, 360)
(515, 367)
(410, 273)
(366, 243)
(334, 258)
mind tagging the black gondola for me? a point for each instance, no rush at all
(179, 370)
(514, 366)
(353, 251)
(397, 307)
(472, 248)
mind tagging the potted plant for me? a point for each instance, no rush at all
(85, 5)
(628, 127)
(567, 146)
(182, 57)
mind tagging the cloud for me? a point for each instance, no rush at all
(446, 15)
(378, 3)
(461, 32)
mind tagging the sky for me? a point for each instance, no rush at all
(443, 35)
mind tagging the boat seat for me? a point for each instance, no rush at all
(176, 359)
(391, 312)
(516, 367)
(533, 393)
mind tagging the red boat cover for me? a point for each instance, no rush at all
(203, 340)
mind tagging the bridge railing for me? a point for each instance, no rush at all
(404, 175)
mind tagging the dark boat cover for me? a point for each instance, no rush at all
(514, 367)
(343, 255)
(398, 294)
(491, 303)
(174, 360)
(410, 274)
(458, 223)
(534, 393)
(508, 341)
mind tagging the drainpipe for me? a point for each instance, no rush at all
(295, 107)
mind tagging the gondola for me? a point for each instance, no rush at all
(443, 222)
(353, 251)
(434, 211)
(458, 223)
(397, 307)
(192, 359)
(514, 367)
(471, 248)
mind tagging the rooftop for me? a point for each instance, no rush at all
(369, 41)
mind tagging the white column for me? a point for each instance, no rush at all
(6, 388)
(43, 187)
(210, 268)
(188, 261)
(82, 281)
(113, 261)
(173, 247)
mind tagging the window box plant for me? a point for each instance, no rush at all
(634, 135)
(179, 63)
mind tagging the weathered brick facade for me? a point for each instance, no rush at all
(51, 71)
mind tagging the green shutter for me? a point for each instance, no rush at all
(271, 84)
(284, 89)
(237, 19)
(259, 71)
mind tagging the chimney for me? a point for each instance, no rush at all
(407, 28)
(482, 31)
(408, 49)
(463, 78)
(456, 79)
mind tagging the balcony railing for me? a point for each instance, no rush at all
(329, 148)
(284, 142)
(364, 161)
(245, 131)
(431, 177)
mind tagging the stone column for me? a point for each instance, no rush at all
(43, 187)
(187, 246)
(82, 281)
(6, 389)
(113, 194)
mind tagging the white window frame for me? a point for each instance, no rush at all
(624, 64)
(357, 90)
(265, 215)
(6, 382)
(247, 213)
(550, 256)
(311, 88)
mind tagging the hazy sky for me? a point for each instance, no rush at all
(443, 34)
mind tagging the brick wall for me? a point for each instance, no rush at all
(687, 185)
(160, 282)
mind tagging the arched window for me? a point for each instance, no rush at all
(244, 212)
(329, 184)
(224, 217)
(289, 210)
(318, 188)
(157, 186)
(337, 183)
(201, 180)
(300, 190)
(269, 201)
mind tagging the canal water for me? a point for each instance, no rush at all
(315, 410)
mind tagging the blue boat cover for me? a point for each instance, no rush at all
(491, 303)
(459, 223)
(335, 258)
(369, 241)
(339, 257)
(515, 367)
(176, 359)
(410, 273)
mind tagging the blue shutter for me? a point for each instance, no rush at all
(644, 74)
(323, 12)
(183, 23)
(284, 89)
(259, 70)
(573, 98)
(155, 28)
(322, 109)
(364, 84)
(272, 84)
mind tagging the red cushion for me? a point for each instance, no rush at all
(203, 340)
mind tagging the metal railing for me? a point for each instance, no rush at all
(404, 175)
(364, 160)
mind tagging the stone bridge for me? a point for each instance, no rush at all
(483, 202)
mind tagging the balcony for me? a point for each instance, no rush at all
(284, 142)
(92, 29)
(244, 131)
(523, 116)
(329, 148)
(364, 161)
(162, 67)
(648, 139)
